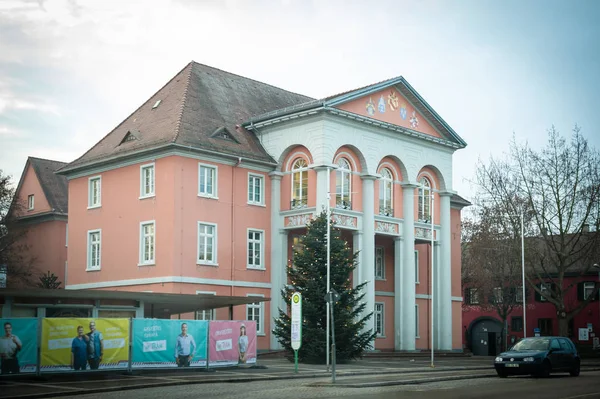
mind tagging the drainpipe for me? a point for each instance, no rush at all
(238, 163)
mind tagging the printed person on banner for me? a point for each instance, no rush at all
(95, 345)
(242, 344)
(184, 348)
(79, 349)
(9, 346)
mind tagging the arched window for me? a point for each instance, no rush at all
(299, 184)
(386, 193)
(342, 185)
(424, 200)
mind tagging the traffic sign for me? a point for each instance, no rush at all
(296, 321)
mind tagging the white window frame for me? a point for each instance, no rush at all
(386, 186)
(476, 296)
(89, 265)
(417, 321)
(253, 242)
(260, 328)
(417, 267)
(199, 261)
(544, 287)
(424, 198)
(66, 234)
(343, 180)
(212, 313)
(152, 261)
(302, 172)
(215, 170)
(380, 254)
(519, 295)
(379, 312)
(144, 191)
(91, 181)
(498, 295)
(588, 288)
(30, 202)
(252, 177)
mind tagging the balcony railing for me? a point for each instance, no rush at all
(386, 211)
(298, 203)
(342, 204)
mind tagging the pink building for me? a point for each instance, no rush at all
(206, 187)
(44, 195)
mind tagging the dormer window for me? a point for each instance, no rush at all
(30, 202)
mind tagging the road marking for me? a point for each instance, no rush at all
(585, 395)
(50, 386)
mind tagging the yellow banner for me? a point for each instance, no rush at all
(84, 344)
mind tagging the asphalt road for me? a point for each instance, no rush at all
(586, 386)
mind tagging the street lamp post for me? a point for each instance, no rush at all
(328, 305)
(597, 266)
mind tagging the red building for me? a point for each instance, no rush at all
(482, 327)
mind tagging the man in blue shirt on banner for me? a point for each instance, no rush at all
(185, 347)
(95, 343)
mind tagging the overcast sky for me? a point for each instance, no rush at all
(71, 70)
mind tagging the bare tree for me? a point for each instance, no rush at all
(558, 190)
(491, 265)
(19, 268)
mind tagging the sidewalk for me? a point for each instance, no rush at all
(362, 373)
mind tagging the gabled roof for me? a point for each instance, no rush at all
(55, 187)
(192, 106)
(328, 103)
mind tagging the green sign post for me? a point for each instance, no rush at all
(296, 326)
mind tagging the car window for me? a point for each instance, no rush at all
(532, 344)
(554, 344)
(564, 345)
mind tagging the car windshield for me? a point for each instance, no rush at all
(532, 344)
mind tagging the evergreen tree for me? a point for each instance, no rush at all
(49, 281)
(308, 275)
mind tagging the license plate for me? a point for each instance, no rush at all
(511, 365)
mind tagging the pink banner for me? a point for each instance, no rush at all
(231, 343)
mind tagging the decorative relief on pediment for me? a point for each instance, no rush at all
(344, 221)
(423, 233)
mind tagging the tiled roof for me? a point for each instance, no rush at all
(55, 186)
(194, 105)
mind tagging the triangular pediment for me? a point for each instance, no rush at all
(224, 134)
(395, 102)
(128, 137)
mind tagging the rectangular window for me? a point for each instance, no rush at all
(207, 180)
(254, 311)
(94, 191)
(519, 295)
(416, 266)
(379, 314)
(544, 287)
(67, 235)
(94, 248)
(207, 243)
(588, 288)
(473, 296)
(498, 295)
(255, 189)
(416, 321)
(379, 263)
(147, 243)
(206, 314)
(516, 323)
(30, 202)
(147, 181)
(297, 246)
(545, 326)
(255, 249)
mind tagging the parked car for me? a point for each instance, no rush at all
(539, 356)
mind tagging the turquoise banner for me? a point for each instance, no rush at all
(18, 345)
(169, 343)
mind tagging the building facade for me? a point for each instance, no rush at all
(43, 195)
(209, 184)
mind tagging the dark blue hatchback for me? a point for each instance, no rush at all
(539, 356)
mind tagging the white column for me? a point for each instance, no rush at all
(367, 271)
(276, 255)
(445, 273)
(357, 244)
(408, 269)
(398, 324)
(322, 188)
(437, 312)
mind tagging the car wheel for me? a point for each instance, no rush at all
(501, 374)
(575, 370)
(546, 369)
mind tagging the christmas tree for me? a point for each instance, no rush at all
(308, 275)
